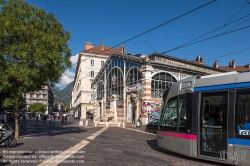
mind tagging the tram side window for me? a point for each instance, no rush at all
(182, 113)
(242, 114)
(169, 117)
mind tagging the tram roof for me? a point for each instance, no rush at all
(210, 82)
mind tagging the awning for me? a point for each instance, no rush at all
(89, 107)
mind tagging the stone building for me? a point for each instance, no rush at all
(44, 96)
(130, 87)
(89, 63)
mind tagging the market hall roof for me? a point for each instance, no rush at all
(158, 59)
(131, 58)
(155, 60)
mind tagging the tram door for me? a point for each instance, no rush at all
(213, 124)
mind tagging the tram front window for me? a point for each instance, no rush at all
(169, 117)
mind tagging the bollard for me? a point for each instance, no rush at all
(138, 124)
(123, 124)
(119, 124)
(86, 122)
(95, 124)
(81, 122)
(94, 120)
(106, 124)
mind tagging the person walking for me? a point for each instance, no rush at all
(44, 119)
(62, 119)
(65, 119)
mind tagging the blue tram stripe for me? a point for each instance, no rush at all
(219, 87)
(239, 141)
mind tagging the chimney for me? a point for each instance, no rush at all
(88, 45)
(216, 64)
(102, 44)
(198, 58)
(123, 49)
(202, 59)
(232, 64)
(247, 66)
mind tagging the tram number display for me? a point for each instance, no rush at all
(244, 132)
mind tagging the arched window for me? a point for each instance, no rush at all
(133, 76)
(115, 83)
(100, 90)
(160, 82)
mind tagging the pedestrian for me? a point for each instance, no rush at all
(65, 119)
(24, 123)
(44, 119)
(54, 117)
(62, 119)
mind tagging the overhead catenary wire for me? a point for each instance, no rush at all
(158, 26)
(236, 52)
(236, 13)
(206, 34)
(210, 38)
(237, 25)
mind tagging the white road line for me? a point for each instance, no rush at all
(139, 131)
(55, 160)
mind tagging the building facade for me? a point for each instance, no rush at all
(44, 96)
(59, 107)
(130, 88)
(89, 63)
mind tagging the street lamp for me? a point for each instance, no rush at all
(100, 105)
(139, 95)
(133, 102)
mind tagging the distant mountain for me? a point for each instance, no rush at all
(63, 95)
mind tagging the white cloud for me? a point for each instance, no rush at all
(67, 77)
(74, 59)
(69, 74)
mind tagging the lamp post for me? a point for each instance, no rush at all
(133, 102)
(139, 97)
(100, 105)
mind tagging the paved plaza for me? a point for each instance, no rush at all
(68, 144)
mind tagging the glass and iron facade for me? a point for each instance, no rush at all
(136, 81)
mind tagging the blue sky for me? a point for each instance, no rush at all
(114, 21)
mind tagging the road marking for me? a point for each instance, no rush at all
(139, 131)
(55, 160)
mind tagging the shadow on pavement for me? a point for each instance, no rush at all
(39, 128)
(153, 144)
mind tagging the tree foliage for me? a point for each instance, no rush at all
(37, 107)
(68, 108)
(33, 49)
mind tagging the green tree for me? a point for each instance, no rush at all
(37, 107)
(33, 49)
(67, 108)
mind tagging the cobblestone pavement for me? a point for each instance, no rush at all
(113, 146)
